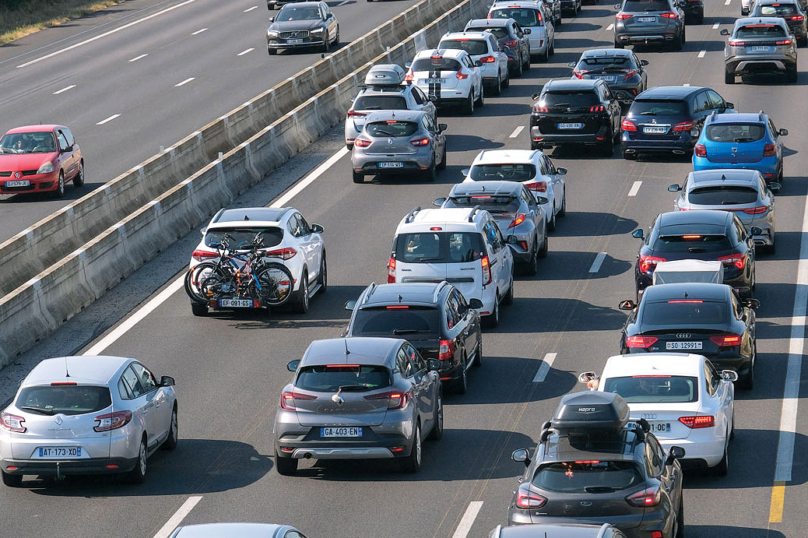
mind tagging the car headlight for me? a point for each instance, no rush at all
(46, 168)
(318, 30)
(272, 34)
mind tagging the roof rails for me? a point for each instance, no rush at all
(473, 212)
(411, 215)
(438, 289)
(371, 289)
(760, 115)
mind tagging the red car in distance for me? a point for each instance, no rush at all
(39, 158)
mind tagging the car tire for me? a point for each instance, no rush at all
(551, 226)
(199, 310)
(545, 248)
(431, 173)
(437, 429)
(301, 299)
(12, 480)
(533, 265)
(442, 164)
(684, 36)
(271, 51)
(78, 181)
(543, 57)
(551, 50)
(748, 381)
(732, 431)
(534, 146)
(678, 43)
(508, 299)
(618, 45)
(138, 474)
(173, 431)
(563, 211)
(481, 99)
(60, 186)
(358, 177)
(322, 277)
(723, 466)
(699, 19)
(285, 466)
(469, 108)
(462, 382)
(497, 88)
(526, 63)
(792, 75)
(326, 47)
(520, 68)
(507, 83)
(478, 357)
(349, 146)
(412, 463)
(608, 147)
(729, 78)
(680, 518)
(492, 319)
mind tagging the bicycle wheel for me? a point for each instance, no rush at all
(193, 278)
(216, 285)
(273, 284)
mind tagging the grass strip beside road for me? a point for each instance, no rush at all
(19, 18)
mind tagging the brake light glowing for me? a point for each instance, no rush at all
(737, 259)
(286, 253)
(408, 77)
(784, 41)
(12, 423)
(668, 15)
(64, 384)
(435, 229)
(734, 43)
(461, 75)
(488, 59)
(684, 125)
(701, 150)
(726, 340)
(700, 421)
(691, 237)
(538, 108)
(391, 271)
(112, 421)
(398, 307)
(647, 497)
(518, 219)
(288, 399)
(623, 16)
(509, 43)
(537, 186)
(420, 142)
(486, 266)
(628, 125)
(447, 349)
(685, 301)
(527, 499)
(579, 73)
(648, 263)
(630, 74)
(755, 210)
(352, 113)
(597, 108)
(769, 150)
(361, 143)
(641, 342)
(587, 462)
(797, 17)
(396, 400)
(201, 255)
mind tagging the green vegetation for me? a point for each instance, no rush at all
(18, 18)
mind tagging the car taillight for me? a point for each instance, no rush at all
(769, 150)
(628, 125)
(396, 400)
(641, 342)
(538, 108)
(739, 260)
(447, 349)
(668, 15)
(420, 142)
(783, 42)
(391, 271)
(201, 255)
(352, 113)
(726, 340)
(488, 59)
(597, 108)
(647, 497)
(579, 73)
(461, 75)
(648, 263)
(537, 186)
(797, 17)
(623, 16)
(755, 210)
(361, 143)
(700, 421)
(12, 423)
(286, 253)
(684, 125)
(288, 399)
(701, 150)
(486, 266)
(518, 219)
(734, 43)
(112, 421)
(509, 43)
(527, 499)
(630, 74)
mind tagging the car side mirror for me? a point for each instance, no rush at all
(783, 132)
(272, 19)
(67, 149)
(433, 365)
(350, 305)
(756, 231)
(618, 6)
(774, 186)
(167, 381)
(674, 188)
(730, 106)
(521, 454)
(465, 171)
(571, 64)
(438, 202)
(292, 365)
(724, 32)
(541, 200)
(628, 304)
(586, 377)
(535, 96)
(729, 375)
(561, 171)
(512, 240)
(675, 453)
(478, 63)
(526, 31)
(752, 303)
(203, 230)
(637, 234)
(643, 62)
(317, 228)
(442, 127)
(476, 304)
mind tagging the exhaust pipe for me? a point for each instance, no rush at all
(307, 455)
(678, 152)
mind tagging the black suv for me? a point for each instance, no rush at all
(592, 463)
(434, 318)
(575, 112)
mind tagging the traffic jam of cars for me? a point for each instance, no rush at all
(624, 444)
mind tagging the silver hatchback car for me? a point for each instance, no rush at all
(399, 141)
(358, 398)
(744, 192)
(87, 415)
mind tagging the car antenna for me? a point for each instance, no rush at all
(400, 298)
(686, 295)
(67, 372)
(345, 341)
(723, 177)
(246, 217)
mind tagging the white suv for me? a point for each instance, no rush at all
(461, 246)
(449, 77)
(482, 47)
(529, 14)
(532, 168)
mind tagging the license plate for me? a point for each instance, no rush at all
(235, 303)
(570, 125)
(607, 78)
(435, 81)
(60, 452)
(659, 427)
(340, 432)
(760, 49)
(646, 19)
(655, 130)
(294, 41)
(391, 165)
(19, 183)
(683, 345)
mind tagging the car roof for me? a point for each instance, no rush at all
(653, 364)
(367, 350)
(700, 217)
(457, 218)
(694, 290)
(670, 92)
(446, 53)
(493, 188)
(516, 3)
(505, 156)
(467, 35)
(739, 117)
(246, 214)
(562, 84)
(420, 293)
(494, 23)
(738, 176)
(554, 530)
(770, 2)
(606, 52)
(399, 115)
(81, 369)
(231, 530)
(35, 128)
(304, 4)
(777, 21)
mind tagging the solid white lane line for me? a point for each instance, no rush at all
(516, 131)
(635, 188)
(242, 53)
(198, 31)
(109, 119)
(598, 262)
(105, 34)
(715, 26)
(544, 368)
(179, 283)
(184, 82)
(702, 53)
(178, 516)
(250, 9)
(136, 58)
(64, 89)
(610, 27)
(467, 521)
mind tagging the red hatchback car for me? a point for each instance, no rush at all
(39, 158)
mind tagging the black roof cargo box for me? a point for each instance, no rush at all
(587, 411)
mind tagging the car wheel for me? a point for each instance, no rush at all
(543, 57)
(508, 299)
(684, 36)
(732, 431)
(678, 43)
(497, 88)
(349, 146)
(526, 62)
(544, 248)
(60, 186)
(173, 432)
(442, 163)
(78, 181)
(533, 264)
(699, 18)
(301, 300)
(551, 50)
(748, 381)
(780, 174)
(326, 45)
(437, 429)
(322, 278)
(481, 98)
(138, 474)
(729, 78)
(431, 172)
(12, 480)
(723, 466)
(618, 45)
(199, 310)
(469, 108)
(563, 211)
(285, 466)
(478, 357)
(520, 68)
(507, 83)
(551, 226)
(680, 518)
(412, 463)
(492, 319)
(358, 177)
(462, 383)
(791, 75)
(608, 147)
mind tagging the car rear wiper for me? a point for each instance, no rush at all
(349, 388)
(409, 331)
(599, 489)
(696, 250)
(744, 140)
(429, 259)
(39, 410)
(648, 113)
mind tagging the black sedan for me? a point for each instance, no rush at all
(707, 319)
(622, 71)
(698, 235)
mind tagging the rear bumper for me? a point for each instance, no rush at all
(704, 453)
(408, 164)
(646, 39)
(767, 166)
(68, 467)
(682, 145)
(383, 446)
(743, 65)
(552, 140)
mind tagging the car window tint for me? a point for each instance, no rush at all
(123, 390)
(646, 5)
(694, 244)
(575, 477)
(708, 378)
(439, 247)
(304, 225)
(417, 96)
(460, 300)
(472, 46)
(403, 363)
(735, 132)
(391, 128)
(775, 10)
(418, 364)
(64, 399)
(396, 320)
(132, 381)
(701, 102)
(658, 107)
(524, 16)
(569, 99)
(298, 13)
(147, 380)
(654, 454)
(605, 61)
(329, 378)
(69, 137)
(760, 30)
(654, 389)
(380, 102)
(498, 32)
(453, 316)
(723, 195)
(241, 238)
(491, 236)
(689, 312)
(436, 63)
(492, 204)
(716, 102)
(502, 172)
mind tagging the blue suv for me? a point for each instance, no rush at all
(741, 141)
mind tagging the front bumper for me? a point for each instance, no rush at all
(284, 45)
(36, 183)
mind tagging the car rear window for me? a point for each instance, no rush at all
(525, 17)
(356, 378)
(436, 63)
(380, 102)
(646, 5)
(439, 247)
(391, 128)
(776, 10)
(694, 243)
(761, 30)
(502, 172)
(620, 61)
(242, 238)
(658, 107)
(654, 388)
(570, 99)
(472, 46)
(492, 204)
(396, 320)
(591, 476)
(723, 195)
(64, 399)
(498, 31)
(685, 312)
(735, 132)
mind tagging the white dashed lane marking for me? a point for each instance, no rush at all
(242, 53)
(702, 53)
(136, 58)
(598, 262)
(64, 89)
(250, 9)
(178, 516)
(715, 26)
(610, 27)
(465, 524)
(109, 119)
(544, 367)
(199, 31)
(184, 82)
(635, 188)
(516, 131)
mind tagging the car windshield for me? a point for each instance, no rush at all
(298, 13)
(654, 388)
(735, 132)
(569, 99)
(391, 128)
(492, 204)
(380, 102)
(723, 195)
(28, 143)
(396, 320)
(502, 172)
(242, 238)
(681, 244)
(472, 46)
(578, 476)
(646, 5)
(329, 378)
(439, 247)
(775, 10)
(64, 399)
(436, 63)
(684, 313)
(525, 17)
(498, 31)
(660, 107)
(760, 30)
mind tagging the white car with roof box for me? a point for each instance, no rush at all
(529, 14)
(483, 47)
(461, 246)
(449, 77)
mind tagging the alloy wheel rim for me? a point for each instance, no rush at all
(143, 458)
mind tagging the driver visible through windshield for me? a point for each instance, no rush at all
(293, 13)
